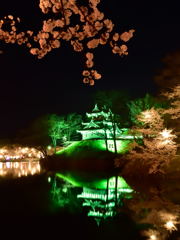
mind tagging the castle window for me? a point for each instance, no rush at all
(111, 145)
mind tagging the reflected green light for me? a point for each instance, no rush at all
(99, 214)
(121, 183)
(95, 195)
(68, 179)
(97, 184)
(101, 200)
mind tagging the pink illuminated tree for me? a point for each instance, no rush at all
(159, 145)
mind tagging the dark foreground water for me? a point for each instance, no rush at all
(78, 205)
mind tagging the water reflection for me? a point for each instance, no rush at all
(102, 202)
(18, 169)
(155, 209)
(159, 207)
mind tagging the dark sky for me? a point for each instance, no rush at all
(32, 87)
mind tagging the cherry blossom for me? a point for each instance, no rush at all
(87, 31)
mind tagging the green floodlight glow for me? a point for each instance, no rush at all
(49, 179)
(121, 183)
(107, 205)
(97, 196)
(102, 196)
(68, 179)
(122, 145)
(98, 184)
(101, 200)
(70, 148)
(94, 196)
(81, 147)
(125, 190)
(99, 214)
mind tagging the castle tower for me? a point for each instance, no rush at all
(99, 122)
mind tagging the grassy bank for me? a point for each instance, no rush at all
(84, 155)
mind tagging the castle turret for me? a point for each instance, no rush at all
(99, 122)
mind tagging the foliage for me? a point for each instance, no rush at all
(159, 147)
(73, 122)
(49, 129)
(169, 76)
(154, 208)
(83, 26)
(116, 101)
(174, 97)
(56, 126)
(151, 121)
(155, 154)
(142, 104)
(84, 148)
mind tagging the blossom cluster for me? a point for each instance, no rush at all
(174, 96)
(84, 27)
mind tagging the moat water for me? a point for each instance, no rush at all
(87, 205)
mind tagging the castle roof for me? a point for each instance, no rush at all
(92, 125)
(95, 109)
(96, 112)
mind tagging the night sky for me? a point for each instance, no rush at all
(31, 87)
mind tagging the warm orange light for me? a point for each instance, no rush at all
(147, 115)
(166, 133)
(19, 153)
(170, 226)
(153, 237)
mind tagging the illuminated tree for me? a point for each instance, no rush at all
(15, 151)
(142, 104)
(155, 154)
(168, 79)
(158, 147)
(84, 27)
(154, 208)
(73, 123)
(63, 127)
(173, 95)
(56, 128)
